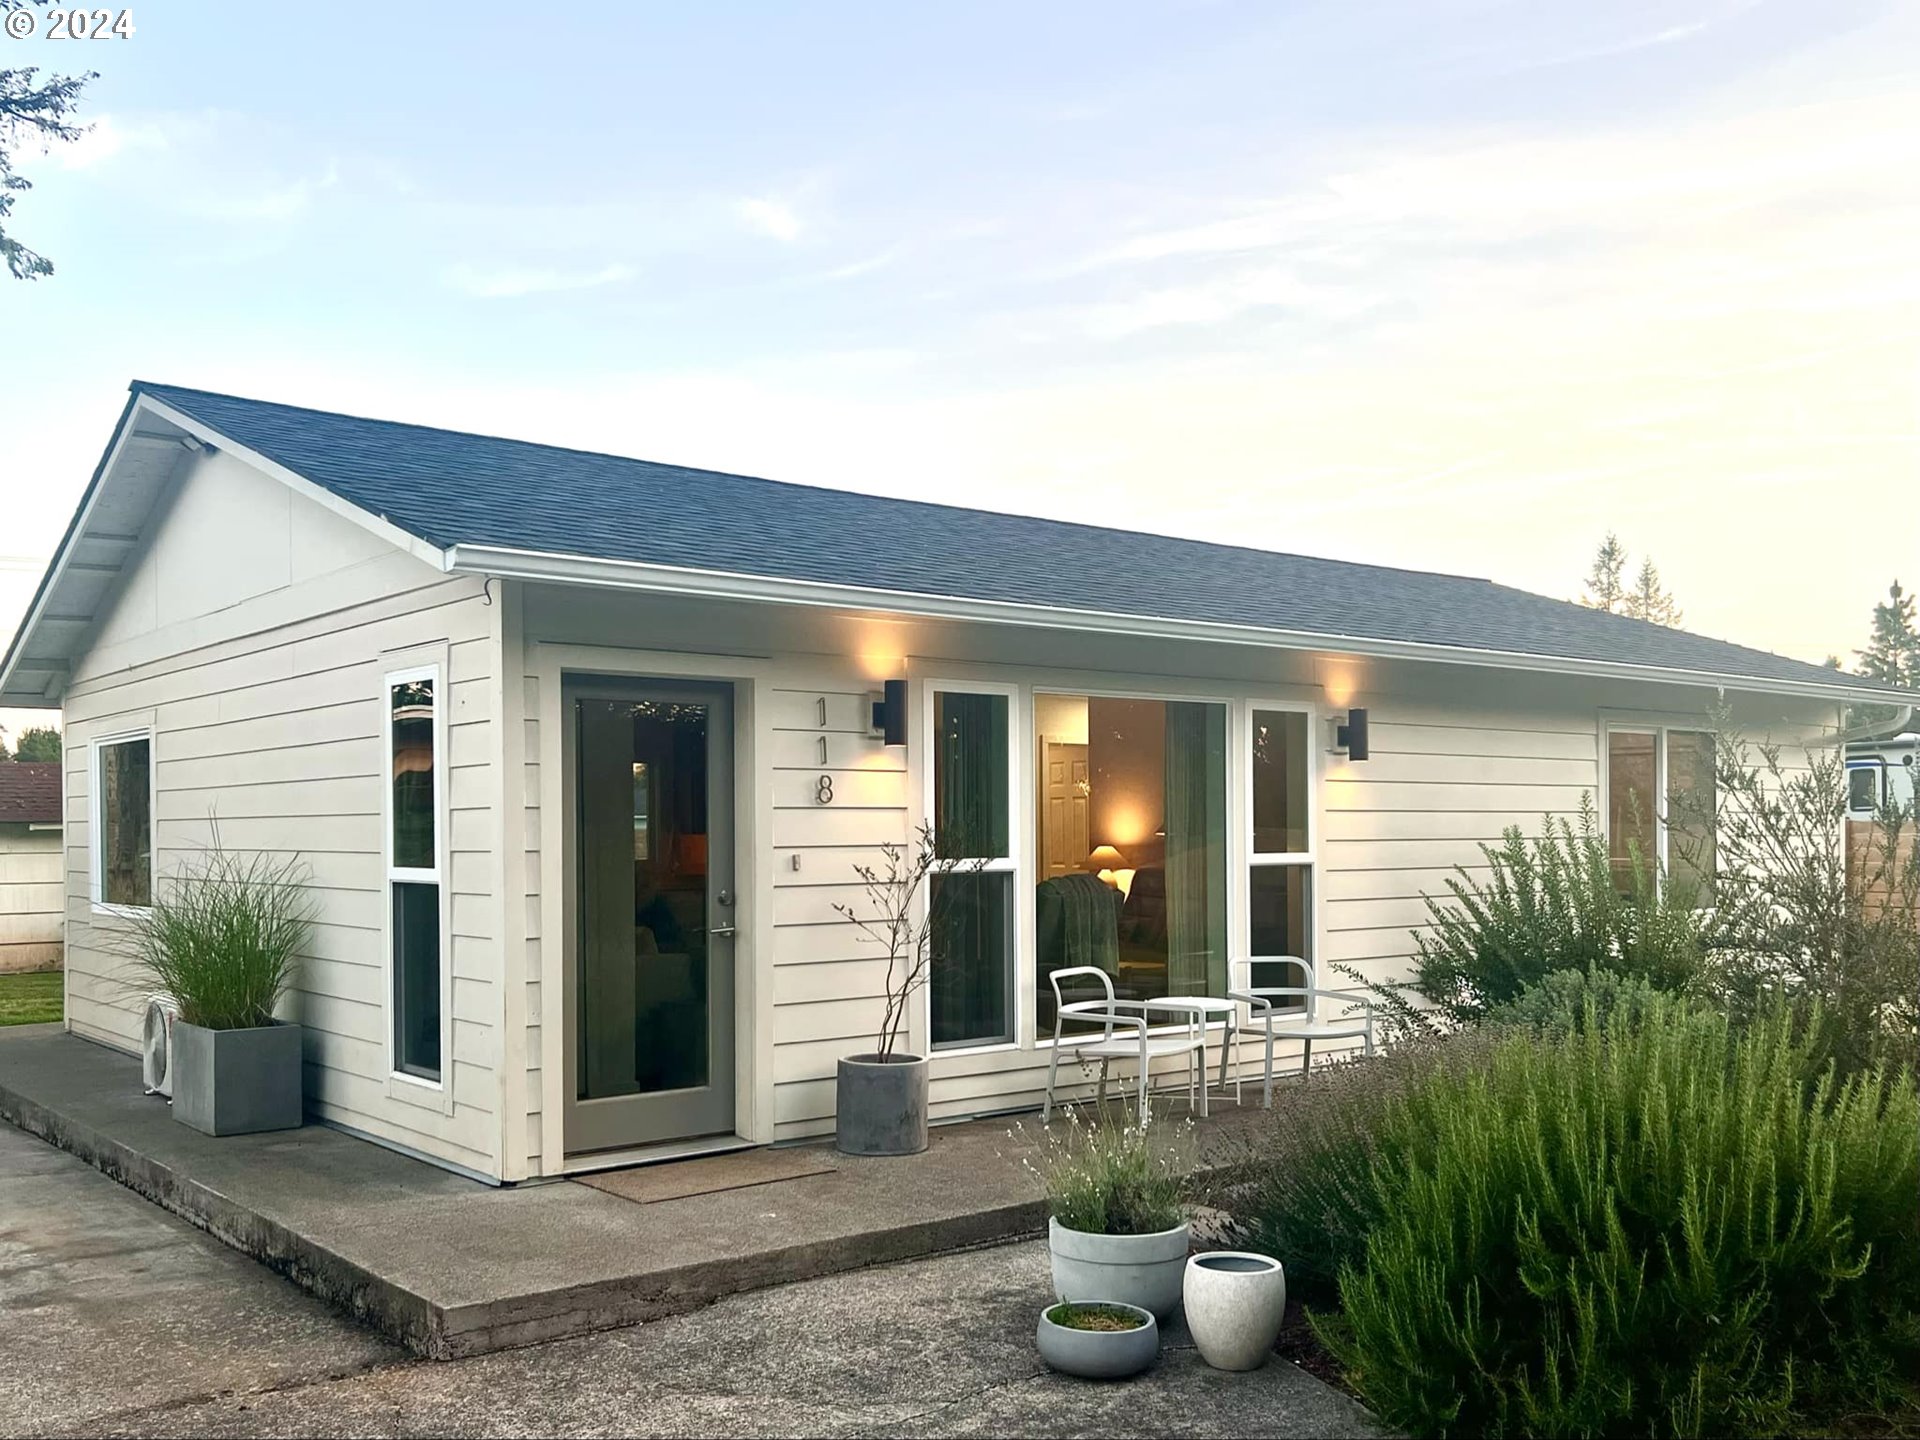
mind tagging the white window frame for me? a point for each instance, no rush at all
(1308, 858)
(96, 793)
(1659, 728)
(1239, 832)
(1013, 863)
(435, 1093)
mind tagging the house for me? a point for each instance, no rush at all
(581, 752)
(32, 907)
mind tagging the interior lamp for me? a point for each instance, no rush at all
(1350, 735)
(1111, 866)
(890, 714)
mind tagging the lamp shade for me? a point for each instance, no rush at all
(1105, 857)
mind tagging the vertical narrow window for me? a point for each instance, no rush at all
(123, 819)
(415, 780)
(1280, 858)
(970, 988)
(1661, 807)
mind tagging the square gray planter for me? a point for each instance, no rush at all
(236, 1082)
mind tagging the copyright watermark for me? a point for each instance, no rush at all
(24, 24)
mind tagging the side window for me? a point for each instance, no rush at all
(1866, 788)
(123, 822)
(1280, 857)
(1661, 807)
(970, 987)
(416, 778)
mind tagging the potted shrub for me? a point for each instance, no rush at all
(880, 1096)
(222, 940)
(1117, 1227)
(1098, 1342)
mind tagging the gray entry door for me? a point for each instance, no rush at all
(650, 949)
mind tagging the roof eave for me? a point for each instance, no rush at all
(510, 563)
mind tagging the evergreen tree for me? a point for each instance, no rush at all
(1893, 653)
(32, 112)
(39, 743)
(1606, 585)
(1649, 601)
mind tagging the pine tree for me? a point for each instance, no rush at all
(1649, 601)
(1893, 653)
(38, 743)
(1606, 588)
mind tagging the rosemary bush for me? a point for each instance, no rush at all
(1566, 1002)
(223, 938)
(1652, 1229)
(1109, 1178)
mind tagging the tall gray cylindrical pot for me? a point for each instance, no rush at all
(880, 1105)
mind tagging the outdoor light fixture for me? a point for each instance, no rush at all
(890, 714)
(1350, 735)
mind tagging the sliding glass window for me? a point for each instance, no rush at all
(416, 772)
(970, 984)
(1280, 857)
(1131, 798)
(1661, 804)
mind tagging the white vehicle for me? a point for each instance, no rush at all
(1881, 772)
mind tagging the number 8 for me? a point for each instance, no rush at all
(823, 790)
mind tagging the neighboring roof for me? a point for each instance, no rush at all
(30, 792)
(457, 492)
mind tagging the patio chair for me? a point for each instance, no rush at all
(1302, 1022)
(1137, 1043)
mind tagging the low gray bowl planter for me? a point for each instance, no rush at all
(880, 1105)
(237, 1082)
(1099, 1354)
(1143, 1270)
(1235, 1302)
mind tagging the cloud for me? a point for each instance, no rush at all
(105, 138)
(769, 217)
(512, 283)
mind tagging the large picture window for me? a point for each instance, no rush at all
(123, 822)
(416, 771)
(1280, 857)
(1132, 845)
(1661, 801)
(970, 987)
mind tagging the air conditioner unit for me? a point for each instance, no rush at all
(156, 1045)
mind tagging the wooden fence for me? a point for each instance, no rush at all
(1866, 846)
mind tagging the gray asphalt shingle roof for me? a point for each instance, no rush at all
(449, 488)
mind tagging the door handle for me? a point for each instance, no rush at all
(722, 929)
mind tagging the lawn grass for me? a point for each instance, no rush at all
(30, 999)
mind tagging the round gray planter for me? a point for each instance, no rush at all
(1143, 1270)
(880, 1106)
(1099, 1354)
(1235, 1302)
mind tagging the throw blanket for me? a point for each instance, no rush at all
(1078, 919)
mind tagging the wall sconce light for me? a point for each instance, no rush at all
(890, 714)
(1350, 734)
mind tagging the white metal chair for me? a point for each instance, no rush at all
(1137, 1043)
(1304, 1023)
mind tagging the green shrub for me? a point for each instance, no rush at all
(223, 938)
(1566, 1002)
(1544, 905)
(1111, 1177)
(1661, 1229)
(1300, 1188)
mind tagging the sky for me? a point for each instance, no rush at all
(1451, 284)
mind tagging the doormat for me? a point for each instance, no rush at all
(677, 1179)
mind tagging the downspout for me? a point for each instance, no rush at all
(1879, 730)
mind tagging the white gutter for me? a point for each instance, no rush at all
(514, 564)
(1880, 730)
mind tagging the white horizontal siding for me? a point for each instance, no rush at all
(31, 898)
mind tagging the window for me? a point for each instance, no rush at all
(1866, 786)
(1280, 859)
(416, 783)
(1661, 800)
(970, 984)
(1131, 803)
(123, 821)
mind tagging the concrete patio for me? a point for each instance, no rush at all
(449, 1267)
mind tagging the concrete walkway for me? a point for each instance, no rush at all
(108, 1304)
(449, 1267)
(929, 1348)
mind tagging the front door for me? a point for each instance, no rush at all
(649, 1008)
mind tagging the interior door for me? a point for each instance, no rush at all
(650, 966)
(1067, 841)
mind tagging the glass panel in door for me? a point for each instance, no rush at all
(651, 1008)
